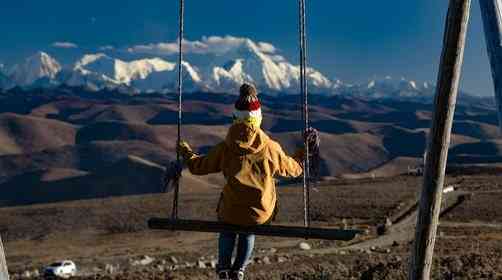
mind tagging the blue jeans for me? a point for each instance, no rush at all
(226, 248)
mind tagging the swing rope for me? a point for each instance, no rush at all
(305, 112)
(174, 213)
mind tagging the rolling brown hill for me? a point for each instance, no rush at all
(90, 157)
(87, 112)
(129, 176)
(482, 148)
(79, 141)
(24, 134)
(479, 152)
(122, 131)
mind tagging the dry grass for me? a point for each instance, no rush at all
(107, 226)
(114, 230)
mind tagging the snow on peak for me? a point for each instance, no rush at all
(388, 87)
(140, 69)
(191, 71)
(38, 66)
(90, 58)
(166, 80)
(413, 84)
(258, 63)
(118, 71)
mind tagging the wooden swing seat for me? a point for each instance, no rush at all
(266, 230)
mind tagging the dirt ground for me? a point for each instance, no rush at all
(108, 238)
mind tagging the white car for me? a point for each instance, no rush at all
(63, 269)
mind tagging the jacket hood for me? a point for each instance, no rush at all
(246, 139)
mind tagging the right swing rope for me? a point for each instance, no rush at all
(174, 212)
(305, 112)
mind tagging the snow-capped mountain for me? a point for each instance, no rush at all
(218, 73)
(97, 71)
(166, 80)
(119, 71)
(390, 87)
(35, 67)
(214, 64)
(269, 72)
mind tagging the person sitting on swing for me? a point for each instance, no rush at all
(249, 160)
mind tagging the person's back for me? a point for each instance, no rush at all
(249, 160)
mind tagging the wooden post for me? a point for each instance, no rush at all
(4, 274)
(439, 138)
(492, 22)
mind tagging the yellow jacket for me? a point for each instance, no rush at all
(249, 160)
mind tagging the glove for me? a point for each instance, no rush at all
(311, 137)
(184, 149)
(172, 175)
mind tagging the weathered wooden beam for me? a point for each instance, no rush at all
(439, 138)
(492, 21)
(4, 273)
(267, 230)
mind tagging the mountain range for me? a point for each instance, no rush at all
(248, 62)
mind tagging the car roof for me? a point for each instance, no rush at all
(63, 261)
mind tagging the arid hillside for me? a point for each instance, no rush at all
(70, 144)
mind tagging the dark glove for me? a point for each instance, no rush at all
(313, 140)
(311, 137)
(172, 175)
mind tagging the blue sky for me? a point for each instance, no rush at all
(351, 40)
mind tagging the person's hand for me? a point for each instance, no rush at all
(184, 149)
(299, 155)
(172, 175)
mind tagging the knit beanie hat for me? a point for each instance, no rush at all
(248, 107)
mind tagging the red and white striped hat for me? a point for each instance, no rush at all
(248, 107)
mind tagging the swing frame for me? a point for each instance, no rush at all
(306, 231)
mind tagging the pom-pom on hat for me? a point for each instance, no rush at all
(247, 106)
